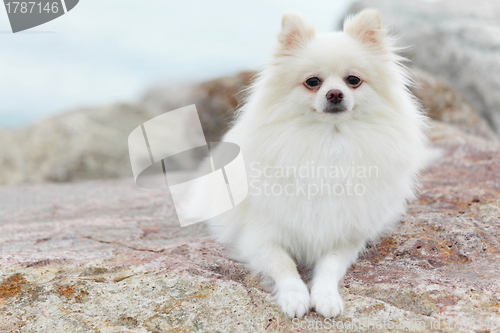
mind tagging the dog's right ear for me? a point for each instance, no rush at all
(295, 33)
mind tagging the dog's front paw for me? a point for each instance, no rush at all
(293, 298)
(326, 301)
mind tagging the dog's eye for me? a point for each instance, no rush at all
(313, 82)
(353, 80)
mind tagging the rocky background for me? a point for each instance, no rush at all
(82, 249)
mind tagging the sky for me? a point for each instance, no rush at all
(114, 50)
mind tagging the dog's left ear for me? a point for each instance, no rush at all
(295, 33)
(367, 28)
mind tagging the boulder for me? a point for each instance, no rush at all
(107, 256)
(216, 101)
(443, 103)
(86, 143)
(457, 40)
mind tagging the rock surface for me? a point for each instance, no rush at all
(458, 40)
(87, 143)
(110, 257)
(443, 103)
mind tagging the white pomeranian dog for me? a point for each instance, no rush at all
(333, 143)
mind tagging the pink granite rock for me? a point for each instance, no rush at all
(108, 256)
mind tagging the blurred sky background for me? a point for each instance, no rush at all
(113, 50)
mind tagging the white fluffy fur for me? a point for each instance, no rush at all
(283, 124)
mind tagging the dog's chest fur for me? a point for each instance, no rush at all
(310, 216)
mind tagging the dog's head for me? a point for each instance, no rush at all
(337, 75)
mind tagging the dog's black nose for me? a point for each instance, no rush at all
(335, 96)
